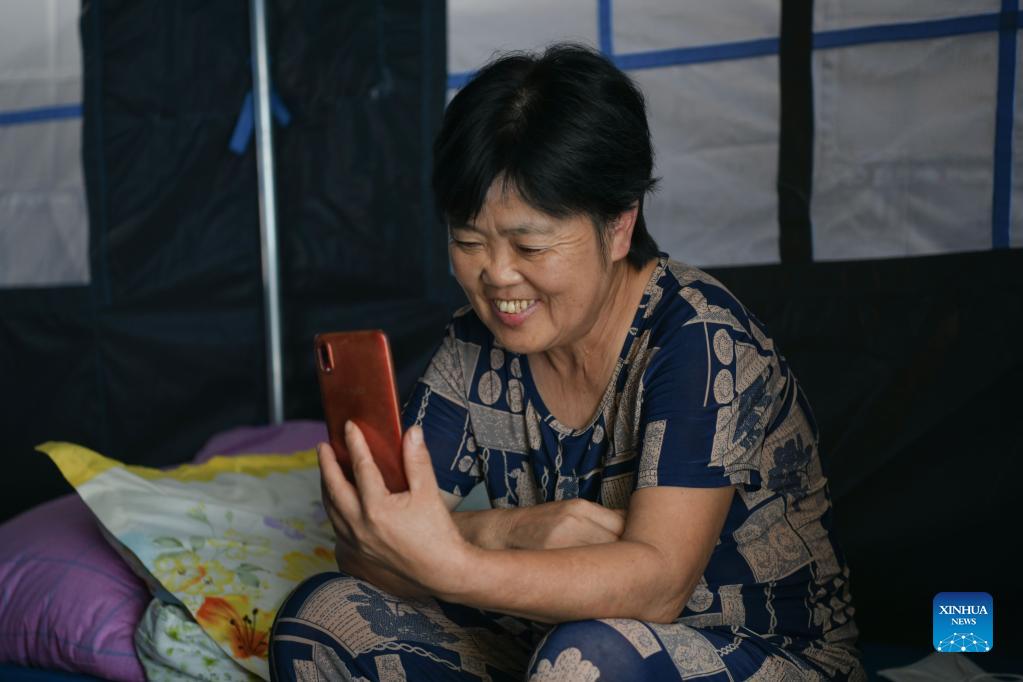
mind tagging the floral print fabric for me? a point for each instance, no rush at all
(173, 647)
(224, 542)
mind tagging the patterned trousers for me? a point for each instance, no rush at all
(336, 627)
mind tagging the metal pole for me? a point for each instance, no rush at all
(267, 205)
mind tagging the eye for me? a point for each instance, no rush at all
(531, 250)
(465, 246)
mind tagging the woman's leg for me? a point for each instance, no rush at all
(625, 650)
(336, 627)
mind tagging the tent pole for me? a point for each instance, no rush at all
(267, 206)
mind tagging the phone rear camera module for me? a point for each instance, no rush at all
(326, 358)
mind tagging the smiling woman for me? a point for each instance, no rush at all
(659, 506)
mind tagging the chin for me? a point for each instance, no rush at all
(512, 342)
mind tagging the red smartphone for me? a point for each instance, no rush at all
(357, 382)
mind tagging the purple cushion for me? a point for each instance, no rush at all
(287, 437)
(67, 600)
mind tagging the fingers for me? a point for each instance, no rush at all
(576, 532)
(367, 475)
(342, 529)
(613, 520)
(418, 465)
(339, 494)
(596, 534)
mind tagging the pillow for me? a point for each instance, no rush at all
(228, 539)
(291, 436)
(67, 601)
(172, 647)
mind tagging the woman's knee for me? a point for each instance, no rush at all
(283, 649)
(585, 650)
(304, 590)
(353, 609)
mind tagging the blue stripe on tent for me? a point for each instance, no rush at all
(58, 113)
(457, 81)
(720, 52)
(1001, 200)
(684, 55)
(864, 35)
(916, 30)
(604, 26)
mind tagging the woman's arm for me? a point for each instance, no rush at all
(649, 574)
(551, 525)
(488, 528)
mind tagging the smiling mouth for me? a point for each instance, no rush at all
(513, 306)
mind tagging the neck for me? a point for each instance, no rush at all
(587, 358)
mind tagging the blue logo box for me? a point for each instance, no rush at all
(963, 621)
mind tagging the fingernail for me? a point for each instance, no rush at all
(416, 435)
(348, 426)
(319, 449)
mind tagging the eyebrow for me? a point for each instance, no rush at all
(520, 229)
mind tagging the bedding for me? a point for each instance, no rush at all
(67, 600)
(172, 647)
(227, 539)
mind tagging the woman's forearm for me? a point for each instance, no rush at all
(487, 528)
(624, 579)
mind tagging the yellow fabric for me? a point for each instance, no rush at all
(229, 539)
(80, 464)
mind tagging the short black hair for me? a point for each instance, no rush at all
(566, 128)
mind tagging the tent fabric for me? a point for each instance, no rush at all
(43, 221)
(927, 167)
(714, 119)
(165, 344)
(913, 172)
(912, 370)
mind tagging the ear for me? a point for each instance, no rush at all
(620, 233)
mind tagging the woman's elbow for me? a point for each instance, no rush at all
(667, 604)
(668, 595)
(663, 612)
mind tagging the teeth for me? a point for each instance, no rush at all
(513, 306)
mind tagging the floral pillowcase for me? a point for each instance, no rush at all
(227, 539)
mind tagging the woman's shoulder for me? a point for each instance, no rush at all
(690, 300)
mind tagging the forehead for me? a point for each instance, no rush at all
(505, 210)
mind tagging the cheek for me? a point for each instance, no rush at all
(462, 267)
(566, 285)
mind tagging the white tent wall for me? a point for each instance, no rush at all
(912, 173)
(905, 130)
(714, 117)
(44, 230)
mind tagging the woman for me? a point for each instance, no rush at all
(659, 508)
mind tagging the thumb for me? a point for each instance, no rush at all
(418, 465)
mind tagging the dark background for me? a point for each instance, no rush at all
(912, 365)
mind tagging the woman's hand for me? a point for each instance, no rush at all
(564, 523)
(405, 543)
(354, 564)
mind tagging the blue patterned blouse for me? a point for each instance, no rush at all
(700, 397)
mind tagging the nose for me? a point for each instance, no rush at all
(501, 268)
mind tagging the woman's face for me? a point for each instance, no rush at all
(537, 282)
